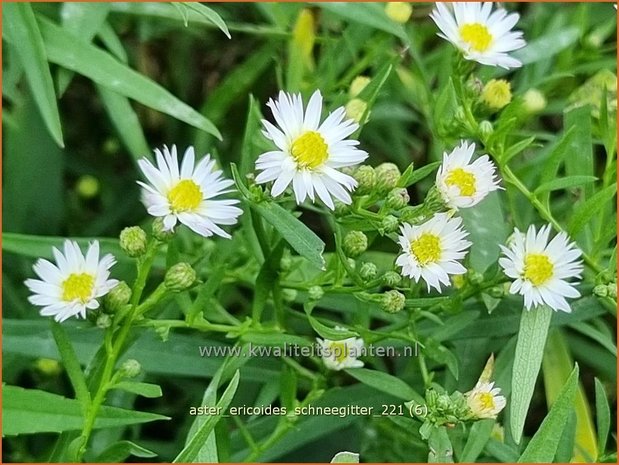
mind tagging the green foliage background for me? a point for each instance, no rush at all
(90, 88)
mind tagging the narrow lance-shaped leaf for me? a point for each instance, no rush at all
(534, 325)
(104, 69)
(22, 32)
(543, 446)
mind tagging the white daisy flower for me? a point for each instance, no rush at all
(431, 250)
(482, 36)
(309, 154)
(540, 268)
(187, 194)
(463, 184)
(73, 284)
(484, 400)
(338, 355)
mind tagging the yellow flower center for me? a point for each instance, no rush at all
(185, 196)
(310, 150)
(339, 350)
(537, 268)
(486, 400)
(476, 35)
(426, 248)
(465, 181)
(78, 286)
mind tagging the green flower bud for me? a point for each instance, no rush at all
(48, 366)
(534, 101)
(118, 297)
(392, 278)
(368, 271)
(387, 176)
(111, 146)
(392, 301)
(475, 277)
(366, 179)
(398, 198)
(341, 209)
(159, 232)
(399, 12)
(357, 85)
(355, 109)
(289, 295)
(104, 321)
(460, 114)
(130, 368)
(133, 241)
(355, 243)
(87, 186)
(497, 292)
(349, 170)
(389, 224)
(315, 293)
(434, 201)
(351, 263)
(485, 129)
(180, 277)
(612, 290)
(600, 290)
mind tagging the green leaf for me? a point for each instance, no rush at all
(547, 46)
(104, 69)
(71, 365)
(273, 339)
(194, 14)
(366, 14)
(345, 457)
(142, 389)
(485, 235)
(370, 92)
(29, 411)
(441, 450)
(191, 450)
(585, 211)
(325, 331)
(534, 325)
(22, 32)
(385, 382)
(416, 175)
(478, 437)
(581, 161)
(300, 237)
(543, 445)
(602, 414)
(252, 128)
(516, 148)
(121, 450)
(565, 183)
(126, 122)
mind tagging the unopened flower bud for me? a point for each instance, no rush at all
(368, 271)
(180, 277)
(355, 109)
(366, 179)
(399, 12)
(289, 295)
(357, 85)
(398, 198)
(497, 93)
(352, 264)
(355, 243)
(497, 292)
(118, 297)
(460, 114)
(315, 293)
(475, 277)
(130, 368)
(612, 290)
(485, 129)
(159, 231)
(434, 201)
(387, 176)
(48, 366)
(601, 290)
(392, 301)
(389, 224)
(133, 241)
(533, 101)
(87, 186)
(392, 278)
(104, 321)
(341, 208)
